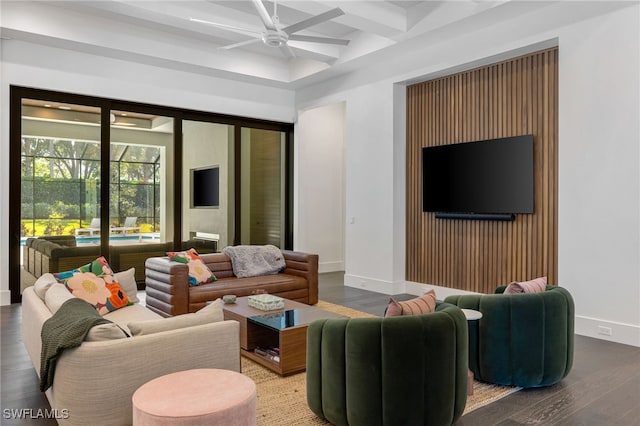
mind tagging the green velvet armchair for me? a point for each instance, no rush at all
(522, 339)
(407, 370)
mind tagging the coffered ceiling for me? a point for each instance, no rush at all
(171, 33)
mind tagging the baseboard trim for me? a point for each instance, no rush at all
(335, 266)
(5, 297)
(372, 284)
(627, 334)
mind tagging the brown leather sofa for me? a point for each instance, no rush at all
(169, 293)
(60, 253)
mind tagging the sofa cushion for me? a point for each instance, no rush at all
(199, 273)
(272, 284)
(55, 296)
(131, 313)
(96, 284)
(127, 280)
(420, 305)
(537, 285)
(210, 313)
(43, 283)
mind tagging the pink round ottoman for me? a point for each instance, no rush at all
(196, 397)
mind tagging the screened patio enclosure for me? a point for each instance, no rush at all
(61, 186)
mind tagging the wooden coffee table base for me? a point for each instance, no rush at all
(292, 341)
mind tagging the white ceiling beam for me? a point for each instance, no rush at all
(417, 13)
(442, 14)
(378, 17)
(176, 15)
(45, 24)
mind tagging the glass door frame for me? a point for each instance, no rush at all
(18, 93)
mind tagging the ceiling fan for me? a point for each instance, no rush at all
(277, 35)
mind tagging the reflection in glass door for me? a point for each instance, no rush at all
(60, 178)
(207, 185)
(263, 182)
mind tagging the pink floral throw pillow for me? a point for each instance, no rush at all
(96, 284)
(537, 285)
(199, 272)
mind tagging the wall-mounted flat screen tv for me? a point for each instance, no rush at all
(205, 187)
(484, 177)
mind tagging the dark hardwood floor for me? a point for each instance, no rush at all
(603, 388)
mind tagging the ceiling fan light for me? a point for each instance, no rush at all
(274, 38)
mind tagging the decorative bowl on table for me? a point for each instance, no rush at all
(229, 298)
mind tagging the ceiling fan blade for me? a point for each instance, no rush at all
(239, 44)
(288, 52)
(314, 20)
(238, 30)
(264, 15)
(313, 39)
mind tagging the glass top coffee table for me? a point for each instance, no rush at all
(275, 339)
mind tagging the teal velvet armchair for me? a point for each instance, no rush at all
(522, 339)
(407, 370)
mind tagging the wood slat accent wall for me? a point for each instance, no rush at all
(515, 97)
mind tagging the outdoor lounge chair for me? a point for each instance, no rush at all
(129, 225)
(94, 228)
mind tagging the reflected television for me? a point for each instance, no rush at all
(205, 187)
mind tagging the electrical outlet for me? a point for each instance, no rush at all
(604, 330)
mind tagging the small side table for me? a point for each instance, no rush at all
(471, 315)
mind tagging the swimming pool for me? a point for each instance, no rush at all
(148, 237)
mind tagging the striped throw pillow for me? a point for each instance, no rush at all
(537, 285)
(420, 305)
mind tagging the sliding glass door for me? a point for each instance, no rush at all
(141, 194)
(129, 181)
(59, 178)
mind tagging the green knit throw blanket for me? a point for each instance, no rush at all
(66, 329)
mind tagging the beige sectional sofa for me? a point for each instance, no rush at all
(94, 382)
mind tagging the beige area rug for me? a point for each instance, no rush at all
(282, 401)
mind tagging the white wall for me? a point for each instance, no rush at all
(599, 159)
(319, 157)
(599, 192)
(32, 65)
(369, 184)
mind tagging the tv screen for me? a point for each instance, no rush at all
(205, 187)
(485, 177)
